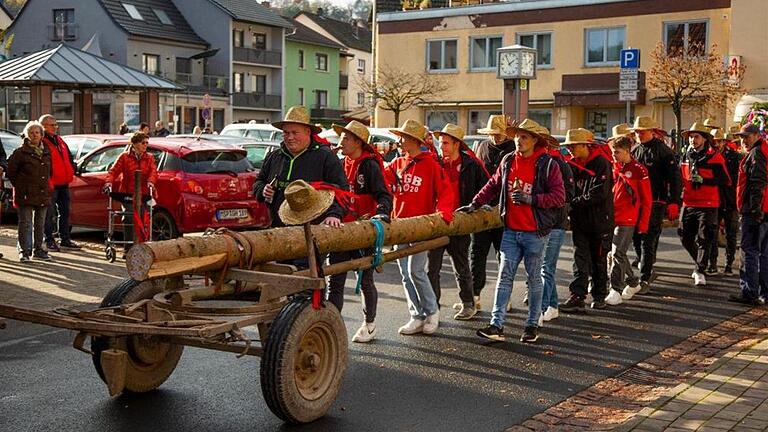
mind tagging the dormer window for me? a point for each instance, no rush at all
(162, 16)
(132, 11)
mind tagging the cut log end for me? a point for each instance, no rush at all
(139, 260)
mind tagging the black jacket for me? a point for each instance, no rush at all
(491, 154)
(728, 193)
(316, 164)
(472, 178)
(592, 204)
(570, 191)
(161, 133)
(753, 180)
(3, 160)
(663, 170)
(370, 180)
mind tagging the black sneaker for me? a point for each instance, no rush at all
(492, 332)
(41, 255)
(69, 244)
(53, 247)
(728, 271)
(711, 271)
(598, 304)
(573, 304)
(23, 258)
(530, 334)
(741, 298)
(645, 287)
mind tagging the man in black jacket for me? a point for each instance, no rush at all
(592, 220)
(299, 158)
(664, 173)
(3, 169)
(727, 213)
(466, 176)
(490, 152)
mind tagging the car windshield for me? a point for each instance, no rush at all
(215, 161)
(234, 132)
(257, 153)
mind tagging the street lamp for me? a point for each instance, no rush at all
(516, 65)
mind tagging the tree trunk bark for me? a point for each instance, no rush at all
(189, 255)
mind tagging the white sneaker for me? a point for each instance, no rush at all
(458, 305)
(699, 279)
(365, 333)
(613, 298)
(541, 320)
(630, 291)
(413, 326)
(550, 314)
(509, 307)
(477, 303)
(431, 323)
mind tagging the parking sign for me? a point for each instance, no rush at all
(630, 58)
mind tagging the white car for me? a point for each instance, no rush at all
(257, 131)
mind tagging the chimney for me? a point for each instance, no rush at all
(266, 4)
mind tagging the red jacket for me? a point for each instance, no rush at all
(62, 164)
(632, 199)
(710, 166)
(124, 167)
(420, 187)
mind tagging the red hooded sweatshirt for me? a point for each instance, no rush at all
(632, 198)
(420, 187)
(522, 174)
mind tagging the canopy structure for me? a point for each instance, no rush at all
(65, 67)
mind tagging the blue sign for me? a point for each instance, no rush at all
(206, 114)
(630, 59)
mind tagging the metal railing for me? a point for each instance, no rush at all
(63, 31)
(256, 100)
(252, 55)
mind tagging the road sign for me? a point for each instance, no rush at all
(206, 100)
(628, 74)
(629, 84)
(630, 58)
(628, 95)
(206, 113)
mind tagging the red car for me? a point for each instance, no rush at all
(200, 184)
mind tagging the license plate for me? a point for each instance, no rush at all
(232, 214)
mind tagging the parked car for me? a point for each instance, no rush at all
(259, 131)
(81, 145)
(257, 150)
(201, 184)
(11, 141)
(473, 140)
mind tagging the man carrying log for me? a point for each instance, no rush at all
(300, 158)
(370, 197)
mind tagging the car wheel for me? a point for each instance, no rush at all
(163, 226)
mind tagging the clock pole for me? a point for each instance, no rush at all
(515, 98)
(515, 66)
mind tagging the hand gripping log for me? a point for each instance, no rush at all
(200, 254)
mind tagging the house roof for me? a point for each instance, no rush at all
(349, 35)
(68, 67)
(306, 35)
(7, 10)
(251, 11)
(151, 26)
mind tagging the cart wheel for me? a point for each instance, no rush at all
(305, 358)
(110, 253)
(150, 361)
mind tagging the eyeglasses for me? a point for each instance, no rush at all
(145, 142)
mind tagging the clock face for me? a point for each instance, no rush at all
(509, 64)
(529, 64)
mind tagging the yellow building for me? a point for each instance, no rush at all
(578, 44)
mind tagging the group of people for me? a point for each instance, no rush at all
(612, 197)
(160, 129)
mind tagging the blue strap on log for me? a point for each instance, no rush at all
(378, 244)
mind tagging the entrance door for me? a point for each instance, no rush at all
(101, 120)
(601, 121)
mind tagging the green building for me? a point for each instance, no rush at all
(312, 75)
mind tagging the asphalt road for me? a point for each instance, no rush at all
(450, 381)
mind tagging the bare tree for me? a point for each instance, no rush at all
(397, 90)
(688, 76)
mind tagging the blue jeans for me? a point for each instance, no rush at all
(418, 291)
(60, 202)
(519, 246)
(753, 277)
(549, 268)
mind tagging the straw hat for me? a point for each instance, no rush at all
(698, 128)
(718, 134)
(527, 125)
(620, 130)
(298, 115)
(547, 137)
(497, 124)
(303, 203)
(709, 123)
(578, 136)
(454, 131)
(411, 129)
(357, 129)
(644, 123)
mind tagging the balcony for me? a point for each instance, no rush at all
(213, 84)
(60, 32)
(319, 112)
(256, 100)
(257, 56)
(343, 81)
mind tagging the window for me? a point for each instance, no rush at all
(479, 119)
(260, 41)
(679, 37)
(321, 62)
(301, 59)
(132, 11)
(64, 24)
(237, 38)
(482, 51)
(101, 161)
(162, 16)
(150, 63)
(360, 98)
(301, 96)
(441, 55)
(259, 83)
(603, 46)
(183, 65)
(321, 98)
(437, 119)
(237, 82)
(361, 66)
(541, 116)
(542, 42)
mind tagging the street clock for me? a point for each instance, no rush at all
(516, 62)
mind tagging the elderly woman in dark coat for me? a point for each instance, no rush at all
(29, 169)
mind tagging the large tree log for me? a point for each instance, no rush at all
(213, 252)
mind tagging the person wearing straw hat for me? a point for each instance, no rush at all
(727, 213)
(364, 170)
(664, 173)
(591, 220)
(466, 175)
(530, 189)
(300, 158)
(420, 188)
(703, 172)
(752, 202)
(490, 152)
